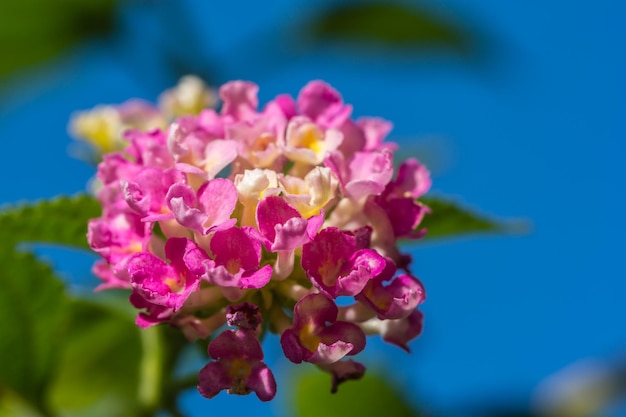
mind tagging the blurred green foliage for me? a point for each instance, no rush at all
(389, 24)
(33, 31)
(32, 311)
(62, 220)
(98, 367)
(371, 396)
(59, 355)
(64, 356)
(448, 219)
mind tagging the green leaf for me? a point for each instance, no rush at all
(11, 405)
(62, 220)
(98, 368)
(448, 218)
(389, 24)
(32, 308)
(33, 31)
(370, 396)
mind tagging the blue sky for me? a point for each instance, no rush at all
(534, 130)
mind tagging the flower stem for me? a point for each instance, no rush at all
(184, 383)
(150, 370)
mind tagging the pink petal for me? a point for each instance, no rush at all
(262, 382)
(323, 104)
(185, 255)
(375, 130)
(115, 167)
(401, 331)
(317, 98)
(353, 138)
(272, 211)
(335, 267)
(234, 245)
(342, 371)
(291, 235)
(405, 214)
(337, 164)
(239, 99)
(314, 224)
(413, 179)
(218, 154)
(146, 193)
(191, 169)
(147, 272)
(217, 198)
(149, 149)
(181, 199)
(317, 309)
(369, 173)
(396, 300)
(327, 354)
(103, 271)
(322, 258)
(365, 264)
(292, 348)
(242, 344)
(155, 314)
(256, 279)
(219, 275)
(212, 379)
(407, 293)
(346, 332)
(285, 105)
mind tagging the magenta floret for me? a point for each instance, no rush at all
(336, 267)
(316, 336)
(167, 284)
(238, 367)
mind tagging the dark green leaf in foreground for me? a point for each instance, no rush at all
(33, 31)
(369, 396)
(98, 369)
(62, 220)
(32, 309)
(11, 405)
(448, 218)
(389, 24)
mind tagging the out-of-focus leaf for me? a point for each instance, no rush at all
(62, 220)
(448, 219)
(32, 31)
(32, 308)
(12, 405)
(369, 396)
(98, 369)
(388, 23)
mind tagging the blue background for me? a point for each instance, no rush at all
(531, 129)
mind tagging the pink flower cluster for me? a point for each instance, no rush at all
(260, 220)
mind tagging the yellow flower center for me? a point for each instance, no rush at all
(263, 142)
(175, 284)
(309, 339)
(239, 370)
(233, 266)
(329, 271)
(310, 137)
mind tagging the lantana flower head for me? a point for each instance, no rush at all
(232, 223)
